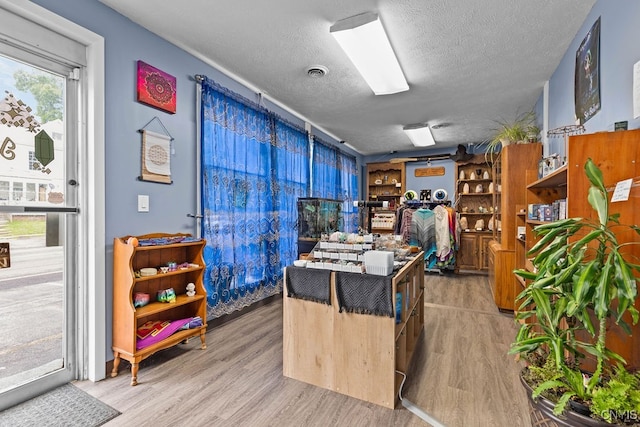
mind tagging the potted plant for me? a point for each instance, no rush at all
(523, 129)
(581, 280)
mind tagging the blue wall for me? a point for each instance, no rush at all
(619, 50)
(446, 182)
(125, 44)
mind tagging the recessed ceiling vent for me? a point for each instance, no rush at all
(441, 125)
(317, 71)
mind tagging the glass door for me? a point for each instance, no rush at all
(38, 224)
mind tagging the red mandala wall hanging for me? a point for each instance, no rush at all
(156, 88)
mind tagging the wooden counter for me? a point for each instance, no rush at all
(350, 353)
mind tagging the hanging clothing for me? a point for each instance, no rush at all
(423, 234)
(443, 235)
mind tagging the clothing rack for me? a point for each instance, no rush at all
(433, 265)
(416, 204)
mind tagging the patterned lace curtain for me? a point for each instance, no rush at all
(326, 175)
(335, 176)
(348, 171)
(291, 181)
(241, 217)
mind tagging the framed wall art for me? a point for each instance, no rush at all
(587, 75)
(156, 158)
(156, 88)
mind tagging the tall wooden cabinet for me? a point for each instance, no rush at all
(129, 259)
(474, 195)
(514, 160)
(617, 155)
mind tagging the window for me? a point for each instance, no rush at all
(31, 192)
(42, 192)
(18, 189)
(33, 161)
(4, 190)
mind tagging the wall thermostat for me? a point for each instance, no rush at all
(440, 195)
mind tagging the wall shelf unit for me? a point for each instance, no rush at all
(474, 206)
(513, 160)
(386, 182)
(128, 259)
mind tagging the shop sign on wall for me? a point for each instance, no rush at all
(5, 258)
(436, 171)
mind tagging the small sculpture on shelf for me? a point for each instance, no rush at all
(140, 299)
(464, 223)
(166, 295)
(191, 289)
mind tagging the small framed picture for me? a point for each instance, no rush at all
(156, 88)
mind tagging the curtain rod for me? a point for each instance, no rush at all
(199, 78)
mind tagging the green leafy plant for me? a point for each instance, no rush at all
(521, 129)
(580, 273)
(619, 397)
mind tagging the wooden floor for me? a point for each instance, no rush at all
(461, 376)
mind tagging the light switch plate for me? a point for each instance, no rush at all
(143, 203)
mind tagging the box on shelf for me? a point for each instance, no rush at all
(379, 263)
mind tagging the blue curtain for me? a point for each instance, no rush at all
(335, 176)
(247, 205)
(291, 181)
(326, 176)
(348, 191)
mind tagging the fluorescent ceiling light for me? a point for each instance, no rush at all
(363, 39)
(420, 135)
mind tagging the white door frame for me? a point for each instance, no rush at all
(91, 307)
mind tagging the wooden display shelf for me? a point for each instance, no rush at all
(168, 274)
(173, 339)
(557, 178)
(159, 307)
(476, 213)
(127, 259)
(355, 354)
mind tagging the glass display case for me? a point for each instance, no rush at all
(317, 216)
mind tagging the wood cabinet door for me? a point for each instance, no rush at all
(483, 251)
(468, 252)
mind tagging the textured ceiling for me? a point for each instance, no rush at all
(468, 62)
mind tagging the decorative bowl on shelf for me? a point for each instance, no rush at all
(300, 263)
(148, 272)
